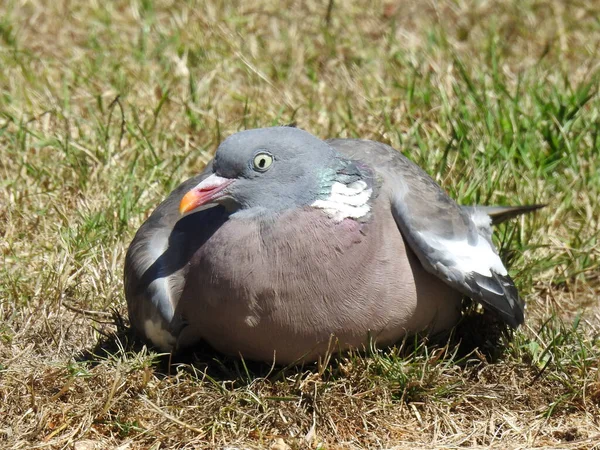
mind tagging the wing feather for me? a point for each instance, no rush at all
(442, 234)
(154, 272)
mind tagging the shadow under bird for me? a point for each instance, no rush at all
(285, 240)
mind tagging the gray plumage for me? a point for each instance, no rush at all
(499, 214)
(296, 239)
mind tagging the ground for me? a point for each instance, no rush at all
(106, 106)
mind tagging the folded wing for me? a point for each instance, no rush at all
(444, 236)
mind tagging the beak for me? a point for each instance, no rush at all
(209, 190)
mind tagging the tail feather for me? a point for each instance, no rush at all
(499, 214)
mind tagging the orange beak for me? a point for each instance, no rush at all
(208, 191)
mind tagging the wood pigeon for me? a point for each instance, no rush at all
(286, 243)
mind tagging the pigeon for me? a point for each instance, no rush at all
(287, 247)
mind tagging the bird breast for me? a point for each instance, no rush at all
(286, 284)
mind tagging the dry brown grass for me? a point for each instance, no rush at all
(497, 100)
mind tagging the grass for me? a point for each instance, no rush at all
(105, 109)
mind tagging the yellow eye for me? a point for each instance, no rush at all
(262, 161)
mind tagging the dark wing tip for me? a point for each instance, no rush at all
(499, 293)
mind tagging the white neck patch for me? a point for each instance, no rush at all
(346, 201)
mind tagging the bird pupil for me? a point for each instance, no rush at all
(261, 163)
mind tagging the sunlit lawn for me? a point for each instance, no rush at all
(106, 106)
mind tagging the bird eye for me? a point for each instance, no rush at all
(262, 161)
